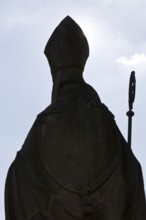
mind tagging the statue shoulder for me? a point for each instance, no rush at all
(51, 109)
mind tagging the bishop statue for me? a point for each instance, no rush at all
(74, 164)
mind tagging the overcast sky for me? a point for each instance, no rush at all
(116, 32)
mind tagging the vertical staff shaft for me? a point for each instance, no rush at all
(130, 113)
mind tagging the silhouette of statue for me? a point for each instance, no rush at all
(74, 163)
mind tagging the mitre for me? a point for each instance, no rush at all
(67, 46)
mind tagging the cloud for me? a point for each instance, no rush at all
(19, 14)
(134, 60)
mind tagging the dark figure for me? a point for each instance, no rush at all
(74, 163)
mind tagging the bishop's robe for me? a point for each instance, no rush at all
(75, 164)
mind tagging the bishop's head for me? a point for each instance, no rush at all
(67, 47)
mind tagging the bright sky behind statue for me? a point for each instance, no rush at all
(116, 33)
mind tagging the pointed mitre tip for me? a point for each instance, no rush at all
(67, 45)
(67, 18)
